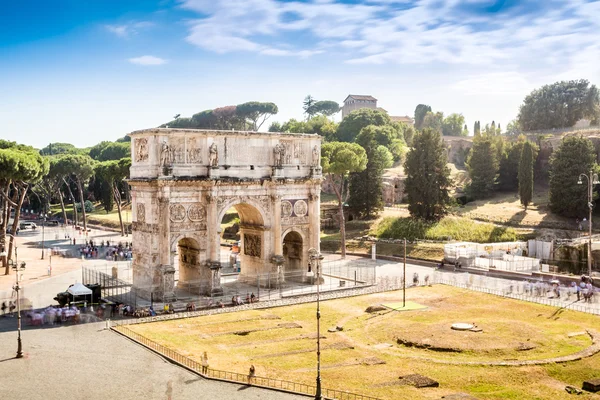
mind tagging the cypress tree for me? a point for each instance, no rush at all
(428, 180)
(526, 174)
(483, 167)
(575, 156)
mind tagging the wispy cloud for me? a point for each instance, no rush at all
(128, 29)
(147, 60)
(477, 33)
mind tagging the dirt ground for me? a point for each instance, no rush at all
(365, 355)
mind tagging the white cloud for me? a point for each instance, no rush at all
(147, 60)
(526, 36)
(128, 29)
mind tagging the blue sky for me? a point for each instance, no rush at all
(84, 71)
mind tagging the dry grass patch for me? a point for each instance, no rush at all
(357, 360)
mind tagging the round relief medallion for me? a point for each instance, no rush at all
(300, 208)
(286, 209)
(177, 213)
(196, 213)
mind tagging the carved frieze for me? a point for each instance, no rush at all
(194, 151)
(300, 208)
(252, 245)
(141, 149)
(294, 212)
(286, 209)
(141, 213)
(197, 213)
(177, 213)
(288, 152)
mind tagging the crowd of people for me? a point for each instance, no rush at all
(583, 290)
(115, 252)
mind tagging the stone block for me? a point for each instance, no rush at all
(592, 385)
(418, 381)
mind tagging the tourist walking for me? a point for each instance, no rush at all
(4, 308)
(204, 363)
(251, 374)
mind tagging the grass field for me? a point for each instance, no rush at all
(366, 357)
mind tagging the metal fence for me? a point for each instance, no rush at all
(117, 285)
(113, 288)
(534, 292)
(260, 381)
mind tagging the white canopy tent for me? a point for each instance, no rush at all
(79, 290)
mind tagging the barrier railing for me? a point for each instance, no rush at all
(575, 306)
(260, 381)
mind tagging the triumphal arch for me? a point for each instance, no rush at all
(184, 180)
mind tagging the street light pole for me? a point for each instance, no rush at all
(592, 179)
(316, 258)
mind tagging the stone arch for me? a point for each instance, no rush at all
(295, 253)
(255, 235)
(251, 209)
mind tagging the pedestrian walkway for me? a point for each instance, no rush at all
(89, 362)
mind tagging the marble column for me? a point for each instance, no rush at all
(214, 243)
(314, 213)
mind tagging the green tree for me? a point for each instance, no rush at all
(513, 128)
(409, 134)
(81, 169)
(428, 180)
(559, 105)
(308, 104)
(509, 166)
(574, 156)
(326, 108)
(366, 186)
(20, 168)
(526, 174)
(420, 111)
(113, 173)
(477, 128)
(483, 167)
(256, 113)
(454, 125)
(115, 151)
(338, 160)
(95, 150)
(60, 148)
(433, 121)
(351, 126)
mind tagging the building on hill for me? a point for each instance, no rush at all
(405, 119)
(356, 102)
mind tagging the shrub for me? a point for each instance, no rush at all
(449, 228)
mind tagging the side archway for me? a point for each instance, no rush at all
(295, 255)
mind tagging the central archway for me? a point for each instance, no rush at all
(189, 269)
(253, 234)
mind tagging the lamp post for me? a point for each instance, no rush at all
(43, 215)
(17, 288)
(592, 179)
(315, 261)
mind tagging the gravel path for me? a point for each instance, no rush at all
(88, 362)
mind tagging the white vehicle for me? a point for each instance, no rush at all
(27, 225)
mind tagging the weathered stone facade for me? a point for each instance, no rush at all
(182, 183)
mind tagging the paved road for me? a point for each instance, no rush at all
(88, 362)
